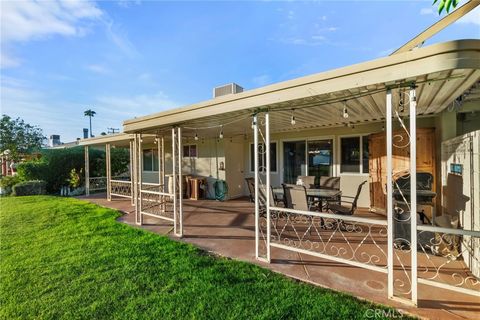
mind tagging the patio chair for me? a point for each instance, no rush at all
(296, 198)
(308, 181)
(329, 182)
(251, 188)
(339, 208)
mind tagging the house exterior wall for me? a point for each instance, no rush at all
(210, 152)
(349, 181)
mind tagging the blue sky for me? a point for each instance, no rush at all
(130, 58)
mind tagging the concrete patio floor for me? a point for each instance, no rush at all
(227, 229)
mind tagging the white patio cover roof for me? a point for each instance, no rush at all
(441, 72)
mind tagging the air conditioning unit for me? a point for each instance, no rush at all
(230, 88)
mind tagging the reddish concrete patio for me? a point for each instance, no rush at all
(227, 229)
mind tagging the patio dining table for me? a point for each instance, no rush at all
(314, 193)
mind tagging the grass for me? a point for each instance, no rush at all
(64, 258)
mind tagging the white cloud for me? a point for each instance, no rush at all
(23, 21)
(26, 20)
(98, 68)
(473, 17)
(426, 11)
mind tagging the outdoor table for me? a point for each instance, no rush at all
(320, 194)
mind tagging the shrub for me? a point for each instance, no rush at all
(29, 188)
(7, 183)
(62, 167)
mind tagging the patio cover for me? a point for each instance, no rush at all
(440, 72)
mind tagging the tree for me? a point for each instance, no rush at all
(19, 137)
(445, 5)
(90, 113)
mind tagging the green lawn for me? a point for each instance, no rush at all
(64, 258)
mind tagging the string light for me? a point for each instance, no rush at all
(345, 111)
(221, 134)
(292, 119)
(196, 136)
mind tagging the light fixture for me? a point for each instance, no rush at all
(221, 133)
(345, 111)
(196, 136)
(292, 119)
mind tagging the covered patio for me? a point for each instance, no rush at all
(428, 265)
(227, 229)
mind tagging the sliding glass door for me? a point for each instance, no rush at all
(320, 158)
(293, 160)
(312, 158)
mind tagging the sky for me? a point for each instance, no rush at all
(125, 59)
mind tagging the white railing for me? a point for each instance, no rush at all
(121, 188)
(156, 203)
(98, 183)
(356, 241)
(449, 259)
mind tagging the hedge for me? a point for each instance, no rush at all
(55, 165)
(29, 188)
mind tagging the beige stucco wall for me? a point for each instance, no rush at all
(210, 154)
(349, 181)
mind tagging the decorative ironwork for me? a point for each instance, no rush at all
(152, 205)
(98, 183)
(449, 259)
(351, 241)
(121, 188)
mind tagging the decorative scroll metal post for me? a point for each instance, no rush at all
(267, 187)
(108, 168)
(388, 115)
(87, 172)
(262, 186)
(413, 191)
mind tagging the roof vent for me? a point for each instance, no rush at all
(230, 88)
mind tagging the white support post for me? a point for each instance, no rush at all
(140, 176)
(267, 174)
(413, 191)
(390, 227)
(162, 175)
(132, 179)
(180, 182)
(135, 177)
(174, 184)
(87, 172)
(257, 204)
(109, 171)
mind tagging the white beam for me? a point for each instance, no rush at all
(257, 205)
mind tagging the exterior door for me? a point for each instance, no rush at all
(234, 168)
(294, 160)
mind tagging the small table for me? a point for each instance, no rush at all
(321, 194)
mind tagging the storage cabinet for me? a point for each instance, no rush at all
(401, 161)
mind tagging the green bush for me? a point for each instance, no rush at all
(29, 188)
(7, 183)
(55, 166)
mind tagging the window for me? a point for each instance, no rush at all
(365, 154)
(320, 161)
(190, 151)
(150, 160)
(262, 160)
(354, 153)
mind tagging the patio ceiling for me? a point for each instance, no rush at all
(441, 72)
